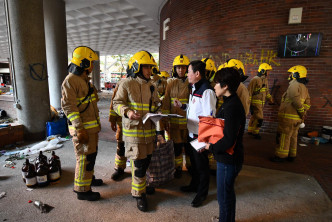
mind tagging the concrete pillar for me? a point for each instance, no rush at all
(96, 73)
(56, 48)
(26, 38)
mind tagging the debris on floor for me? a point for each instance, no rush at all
(2, 194)
(45, 208)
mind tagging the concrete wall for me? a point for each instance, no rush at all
(249, 31)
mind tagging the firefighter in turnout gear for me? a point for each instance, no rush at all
(135, 97)
(79, 102)
(242, 90)
(295, 103)
(159, 82)
(258, 91)
(177, 88)
(116, 125)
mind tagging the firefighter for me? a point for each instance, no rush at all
(210, 71)
(295, 103)
(159, 82)
(79, 102)
(116, 125)
(135, 97)
(242, 90)
(177, 88)
(258, 92)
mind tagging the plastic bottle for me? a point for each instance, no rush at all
(30, 177)
(56, 159)
(54, 171)
(42, 175)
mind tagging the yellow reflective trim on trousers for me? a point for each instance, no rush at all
(289, 116)
(113, 113)
(74, 115)
(83, 182)
(117, 161)
(268, 96)
(139, 133)
(81, 166)
(118, 110)
(264, 89)
(138, 187)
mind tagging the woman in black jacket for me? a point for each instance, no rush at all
(228, 166)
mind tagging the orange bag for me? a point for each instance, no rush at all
(210, 130)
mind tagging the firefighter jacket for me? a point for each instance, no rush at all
(295, 102)
(113, 116)
(259, 91)
(81, 114)
(160, 84)
(243, 94)
(176, 89)
(138, 95)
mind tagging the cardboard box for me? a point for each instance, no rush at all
(11, 134)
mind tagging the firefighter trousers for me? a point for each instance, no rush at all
(120, 159)
(287, 138)
(85, 162)
(140, 156)
(256, 119)
(179, 137)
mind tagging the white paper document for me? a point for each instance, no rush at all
(155, 117)
(198, 145)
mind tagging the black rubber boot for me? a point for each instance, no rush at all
(117, 175)
(257, 136)
(291, 159)
(142, 203)
(96, 182)
(277, 159)
(89, 195)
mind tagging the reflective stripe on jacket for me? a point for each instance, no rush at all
(135, 94)
(74, 89)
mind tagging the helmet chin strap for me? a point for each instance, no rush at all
(140, 75)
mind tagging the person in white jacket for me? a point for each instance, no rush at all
(202, 102)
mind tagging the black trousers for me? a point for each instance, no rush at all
(200, 169)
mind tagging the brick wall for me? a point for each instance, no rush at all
(249, 31)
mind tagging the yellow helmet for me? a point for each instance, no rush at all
(210, 67)
(164, 74)
(180, 60)
(138, 59)
(83, 57)
(298, 72)
(221, 66)
(237, 64)
(263, 68)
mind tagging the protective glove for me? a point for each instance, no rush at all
(82, 136)
(302, 125)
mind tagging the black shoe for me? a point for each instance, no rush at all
(96, 182)
(213, 172)
(188, 189)
(142, 203)
(198, 200)
(249, 133)
(89, 195)
(190, 170)
(277, 159)
(150, 190)
(290, 159)
(118, 173)
(178, 172)
(257, 136)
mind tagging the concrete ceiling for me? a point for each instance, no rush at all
(109, 26)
